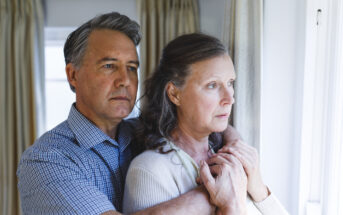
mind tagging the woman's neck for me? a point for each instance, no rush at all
(196, 146)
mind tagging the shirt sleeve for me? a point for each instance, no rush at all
(145, 188)
(271, 206)
(52, 183)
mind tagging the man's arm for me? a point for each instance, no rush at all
(195, 201)
(50, 183)
(230, 134)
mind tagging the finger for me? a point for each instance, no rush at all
(198, 180)
(248, 157)
(237, 165)
(206, 176)
(237, 145)
(216, 170)
(249, 161)
(245, 149)
(227, 146)
(226, 156)
(216, 159)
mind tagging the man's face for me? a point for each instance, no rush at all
(106, 83)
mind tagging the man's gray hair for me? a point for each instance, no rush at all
(76, 44)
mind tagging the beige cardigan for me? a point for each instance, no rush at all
(153, 178)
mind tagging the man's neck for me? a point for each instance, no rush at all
(107, 126)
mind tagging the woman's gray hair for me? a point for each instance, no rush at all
(76, 44)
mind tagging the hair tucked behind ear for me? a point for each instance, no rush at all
(158, 114)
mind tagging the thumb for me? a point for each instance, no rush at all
(198, 180)
(206, 176)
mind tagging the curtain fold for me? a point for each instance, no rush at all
(243, 35)
(19, 72)
(161, 21)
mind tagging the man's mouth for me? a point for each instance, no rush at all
(120, 98)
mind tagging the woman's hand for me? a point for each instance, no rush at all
(248, 157)
(228, 188)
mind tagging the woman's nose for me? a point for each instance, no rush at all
(228, 96)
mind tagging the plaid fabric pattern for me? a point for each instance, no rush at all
(75, 169)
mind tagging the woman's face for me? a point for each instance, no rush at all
(204, 102)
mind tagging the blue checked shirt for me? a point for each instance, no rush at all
(75, 169)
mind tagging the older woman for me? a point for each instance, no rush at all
(189, 98)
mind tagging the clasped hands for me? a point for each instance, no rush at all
(230, 174)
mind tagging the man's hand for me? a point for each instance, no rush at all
(248, 157)
(230, 134)
(228, 188)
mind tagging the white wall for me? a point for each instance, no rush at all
(282, 76)
(72, 13)
(212, 15)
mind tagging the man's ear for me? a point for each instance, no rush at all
(71, 74)
(173, 93)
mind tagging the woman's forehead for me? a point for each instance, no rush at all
(220, 66)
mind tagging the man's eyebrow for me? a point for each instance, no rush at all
(115, 59)
(106, 59)
(134, 62)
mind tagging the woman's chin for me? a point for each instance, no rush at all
(220, 128)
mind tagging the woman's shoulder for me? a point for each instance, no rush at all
(155, 159)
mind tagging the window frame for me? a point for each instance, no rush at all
(320, 140)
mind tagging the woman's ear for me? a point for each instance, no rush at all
(173, 93)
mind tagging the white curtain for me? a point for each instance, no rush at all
(162, 21)
(21, 65)
(243, 35)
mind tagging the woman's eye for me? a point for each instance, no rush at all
(230, 83)
(212, 85)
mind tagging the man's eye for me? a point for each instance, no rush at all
(212, 85)
(108, 66)
(132, 69)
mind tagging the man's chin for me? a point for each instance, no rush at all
(121, 112)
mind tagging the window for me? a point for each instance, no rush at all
(321, 176)
(59, 97)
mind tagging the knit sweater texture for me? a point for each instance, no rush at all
(154, 178)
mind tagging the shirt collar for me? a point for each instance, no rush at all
(125, 132)
(86, 133)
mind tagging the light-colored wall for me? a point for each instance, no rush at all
(282, 76)
(212, 15)
(72, 13)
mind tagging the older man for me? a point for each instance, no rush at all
(79, 167)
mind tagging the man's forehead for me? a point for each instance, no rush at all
(111, 44)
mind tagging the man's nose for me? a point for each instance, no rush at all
(123, 79)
